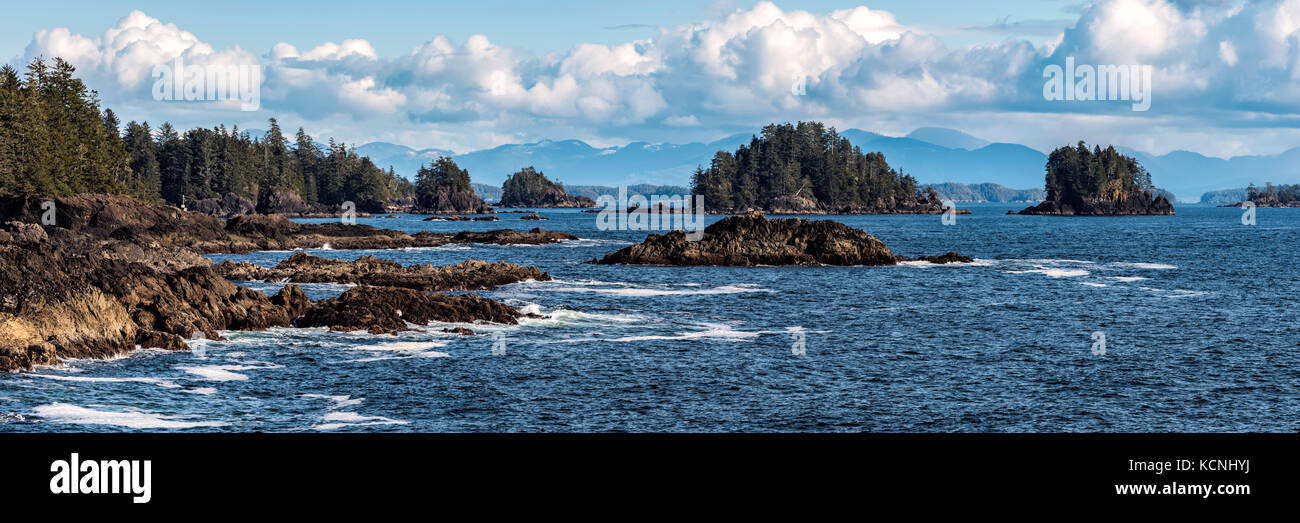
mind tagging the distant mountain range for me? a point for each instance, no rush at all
(933, 155)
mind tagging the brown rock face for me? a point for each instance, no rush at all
(54, 304)
(293, 300)
(754, 240)
(368, 270)
(388, 309)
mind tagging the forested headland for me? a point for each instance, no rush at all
(807, 168)
(56, 141)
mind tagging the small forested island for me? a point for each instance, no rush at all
(1097, 182)
(1273, 195)
(531, 188)
(806, 168)
(444, 188)
(752, 239)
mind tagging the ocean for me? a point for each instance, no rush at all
(1183, 323)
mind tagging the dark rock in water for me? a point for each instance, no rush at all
(533, 217)
(388, 309)
(447, 219)
(754, 240)
(1140, 205)
(535, 236)
(950, 257)
(486, 219)
(293, 300)
(368, 270)
(459, 330)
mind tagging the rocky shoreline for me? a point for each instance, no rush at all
(753, 239)
(113, 274)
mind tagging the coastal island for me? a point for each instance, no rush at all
(531, 188)
(752, 239)
(808, 169)
(1098, 182)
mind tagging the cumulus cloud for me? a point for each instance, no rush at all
(1217, 64)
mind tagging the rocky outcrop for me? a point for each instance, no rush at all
(280, 200)
(388, 310)
(534, 236)
(368, 270)
(461, 219)
(533, 217)
(755, 240)
(55, 304)
(1136, 205)
(950, 257)
(226, 206)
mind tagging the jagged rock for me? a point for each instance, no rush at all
(368, 270)
(459, 330)
(950, 257)
(535, 236)
(388, 309)
(293, 300)
(754, 240)
(280, 200)
(533, 217)
(54, 305)
(23, 232)
(227, 206)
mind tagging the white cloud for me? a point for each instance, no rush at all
(1216, 66)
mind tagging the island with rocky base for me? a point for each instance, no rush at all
(1097, 182)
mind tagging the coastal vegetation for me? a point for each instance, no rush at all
(807, 168)
(444, 187)
(529, 187)
(1274, 195)
(56, 141)
(1098, 182)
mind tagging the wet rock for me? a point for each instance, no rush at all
(459, 330)
(755, 240)
(293, 300)
(950, 257)
(535, 236)
(533, 217)
(388, 309)
(302, 267)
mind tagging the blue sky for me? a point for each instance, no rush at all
(393, 27)
(469, 75)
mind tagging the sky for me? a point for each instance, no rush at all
(463, 76)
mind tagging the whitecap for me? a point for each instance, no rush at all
(222, 372)
(1142, 265)
(73, 414)
(165, 383)
(711, 330)
(1052, 272)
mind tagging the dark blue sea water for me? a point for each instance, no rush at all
(1198, 313)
